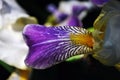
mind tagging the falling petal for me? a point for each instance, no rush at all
(51, 45)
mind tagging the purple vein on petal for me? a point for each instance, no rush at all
(40, 39)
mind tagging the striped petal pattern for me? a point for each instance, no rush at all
(51, 45)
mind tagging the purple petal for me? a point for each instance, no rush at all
(33, 35)
(76, 10)
(74, 21)
(51, 8)
(50, 45)
(99, 2)
(60, 16)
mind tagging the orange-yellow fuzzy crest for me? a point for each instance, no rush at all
(82, 39)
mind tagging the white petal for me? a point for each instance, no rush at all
(13, 49)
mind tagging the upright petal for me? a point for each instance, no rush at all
(74, 21)
(59, 15)
(76, 10)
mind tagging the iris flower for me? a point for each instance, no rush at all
(73, 17)
(67, 6)
(50, 46)
(59, 15)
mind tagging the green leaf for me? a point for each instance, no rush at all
(74, 58)
(7, 67)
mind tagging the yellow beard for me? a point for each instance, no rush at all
(82, 39)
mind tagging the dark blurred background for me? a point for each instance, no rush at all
(38, 8)
(84, 69)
